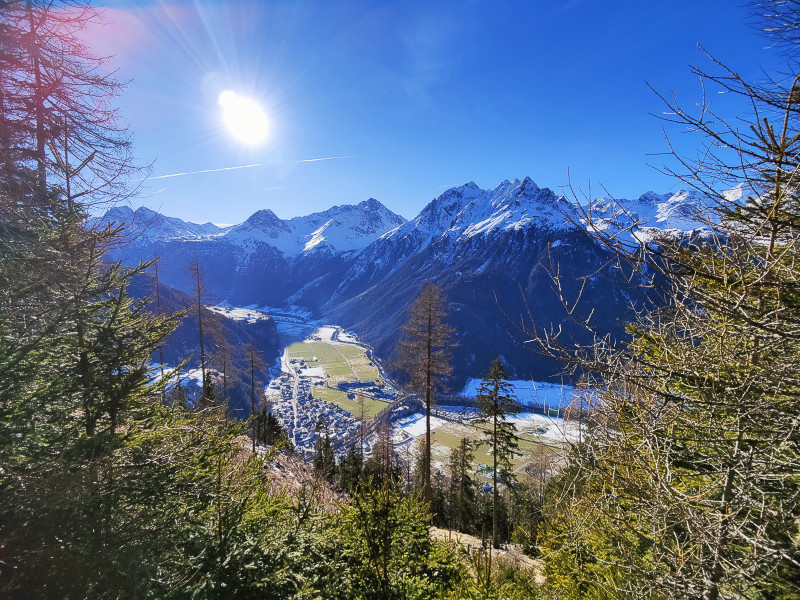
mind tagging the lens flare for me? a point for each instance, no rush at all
(243, 117)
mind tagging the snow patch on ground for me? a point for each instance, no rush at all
(312, 372)
(347, 337)
(547, 427)
(248, 315)
(533, 424)
(536, 393)
(414, 425)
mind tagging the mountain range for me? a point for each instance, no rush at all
(360, 266)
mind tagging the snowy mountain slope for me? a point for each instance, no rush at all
(361, 266)
(339, 229)
(468, 210)
(455, 216)
(146, 226)
(677, 213)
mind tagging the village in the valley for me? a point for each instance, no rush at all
(331, 385)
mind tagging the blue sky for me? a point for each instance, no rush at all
(406, 99)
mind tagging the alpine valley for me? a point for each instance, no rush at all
(493, 253)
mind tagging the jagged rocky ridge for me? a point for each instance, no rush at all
(492, 252)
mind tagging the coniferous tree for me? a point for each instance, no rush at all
(270, 431)
(495, 404)
(58, 116)
(381, 465)
(351, 469)
(324, 457)
(222, 358)
(424, 355)
(439, 506)
(462, 486)
(687, 483)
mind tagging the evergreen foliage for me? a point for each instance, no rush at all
(495, 404)
(462, 486)
(106, 490)
(384, 550)
(351, 469)
(688, 483)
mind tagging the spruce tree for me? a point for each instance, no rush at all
(462, 486)
(351, 468)
(495, 404)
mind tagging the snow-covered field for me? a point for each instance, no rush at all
(333, 334)
(239, 314)
(347, 337)
(414, 425)
(312, 372)
(531, 423)
(535, 393)
(551, 428)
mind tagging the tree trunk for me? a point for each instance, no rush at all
(428, 393)
(253, 395)
(495, 538)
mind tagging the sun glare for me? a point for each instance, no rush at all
(243, 117)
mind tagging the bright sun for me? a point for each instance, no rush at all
(244, 118)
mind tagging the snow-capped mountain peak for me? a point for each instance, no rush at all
(262, 225)
(144, 225)
(678, 212)
(339, 229)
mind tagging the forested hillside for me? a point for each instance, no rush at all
(683, 478)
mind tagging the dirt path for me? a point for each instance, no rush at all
(512, 554)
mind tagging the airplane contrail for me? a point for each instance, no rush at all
(326, 158)
(305, 160)
(208, 171)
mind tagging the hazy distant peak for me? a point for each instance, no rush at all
(265, 216)
(652, 198)
(118, 215)
(145, 225)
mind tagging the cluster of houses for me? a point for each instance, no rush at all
(367, 388)
(303, 424)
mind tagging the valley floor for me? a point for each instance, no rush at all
(331, 384)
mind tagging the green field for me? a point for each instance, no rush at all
(371, 406)
(449, 437)
(341, 363)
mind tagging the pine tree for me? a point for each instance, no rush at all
(462, 486)
(324, 457)
(351, 468)
(495, 404)
(424, 355)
